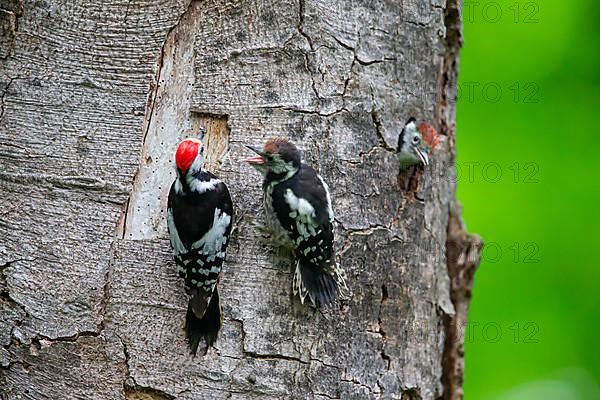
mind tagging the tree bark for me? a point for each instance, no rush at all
(95, 96)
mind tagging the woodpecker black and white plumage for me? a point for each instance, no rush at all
(415, 144)
(300, 216)
(199, 219)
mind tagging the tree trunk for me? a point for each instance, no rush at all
(96, 95)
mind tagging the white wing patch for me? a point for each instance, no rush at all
(304, 209)
(329, 207)
(303, 213)
(213, 240)
(176, 243)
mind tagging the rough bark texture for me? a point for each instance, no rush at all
(94, 97)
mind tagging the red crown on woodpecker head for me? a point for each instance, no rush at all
(186, 153)
(429, 134)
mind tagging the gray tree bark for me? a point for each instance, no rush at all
(94, 97)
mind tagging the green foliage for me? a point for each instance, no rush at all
(538, 282)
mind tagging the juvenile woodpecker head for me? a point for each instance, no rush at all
(279, 156)
(189, 156)
(415, 143)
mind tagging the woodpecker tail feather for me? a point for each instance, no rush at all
(206, 327)
(320, 285)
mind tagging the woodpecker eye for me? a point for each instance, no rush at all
(416, 139)
(269, 157)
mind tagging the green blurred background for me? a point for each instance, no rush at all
(535, 316)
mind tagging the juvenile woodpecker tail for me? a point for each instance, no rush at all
(321, 285)
(206, 327)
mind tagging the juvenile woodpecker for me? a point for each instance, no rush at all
(415, 144)
(199, 218)
(299, 215)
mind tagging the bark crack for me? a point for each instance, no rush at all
(358, 383)
(376, 118)
(303, 111)
(384, 356)
(261, 356)
(356, 56)
(367, 231)
(382, 143)
(316, 393)
(126, 14)
(131, 388)
(74, 182)
(3, 95)
(307, 61)
(106, 287)
(71, 338)
(34, 345)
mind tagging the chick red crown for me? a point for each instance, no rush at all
(429, 134)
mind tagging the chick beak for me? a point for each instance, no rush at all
(422, 156)
(255, 160)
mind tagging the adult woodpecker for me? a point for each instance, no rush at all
(415, 144)
(299, 215)
(199, 219)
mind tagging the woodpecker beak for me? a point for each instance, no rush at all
(423, 157)
(201, 134)
(255, 160)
